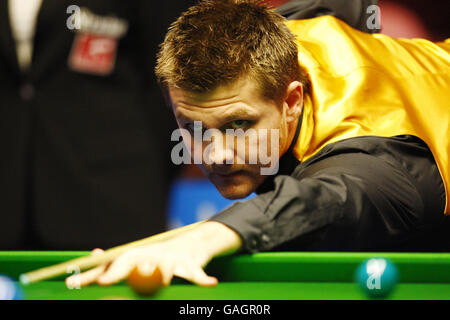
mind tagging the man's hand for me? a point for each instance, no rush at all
(184, 256)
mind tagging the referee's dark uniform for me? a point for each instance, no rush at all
(84, 143)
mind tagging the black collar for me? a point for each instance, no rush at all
(288, 162)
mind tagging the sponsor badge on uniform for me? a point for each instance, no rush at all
(95, 44)
(93, 54)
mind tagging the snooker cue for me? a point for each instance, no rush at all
(87, 262)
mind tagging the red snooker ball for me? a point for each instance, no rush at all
(145, 283)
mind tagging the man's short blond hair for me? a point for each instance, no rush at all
(217, 42)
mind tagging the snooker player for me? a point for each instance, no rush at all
(363, 122)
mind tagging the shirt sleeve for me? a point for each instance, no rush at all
(350, 201)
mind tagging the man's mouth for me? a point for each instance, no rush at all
(228, 175)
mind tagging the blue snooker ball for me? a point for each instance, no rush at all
(9, 290)
(377, 277)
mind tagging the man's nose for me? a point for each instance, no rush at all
(218, 153)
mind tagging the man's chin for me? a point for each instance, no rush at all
(234, 193)
(238, 186)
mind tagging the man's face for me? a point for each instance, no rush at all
(232, 164)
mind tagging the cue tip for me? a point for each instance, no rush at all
(24, 279)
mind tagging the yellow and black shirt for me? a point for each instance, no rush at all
(369, 167)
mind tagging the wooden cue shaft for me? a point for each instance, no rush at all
(87, 262)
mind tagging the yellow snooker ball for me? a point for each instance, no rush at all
(145, 284)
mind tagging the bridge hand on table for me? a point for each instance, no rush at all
(183, 256)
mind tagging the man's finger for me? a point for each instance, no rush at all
(97, 251)
(118, 270)
(167, 268)
(85, 278)
(88, 277)
(196, 275)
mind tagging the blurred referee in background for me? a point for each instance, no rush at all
(84, 134)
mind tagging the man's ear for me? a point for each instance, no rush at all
(293, 101)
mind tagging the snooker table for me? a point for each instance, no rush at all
(261, 276)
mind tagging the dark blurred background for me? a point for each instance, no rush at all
(84, 133)
(411, 18)
(416, 19)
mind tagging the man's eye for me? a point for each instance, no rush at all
(238, 124)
